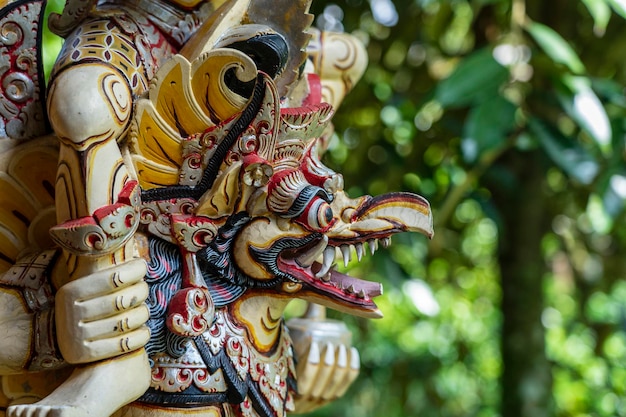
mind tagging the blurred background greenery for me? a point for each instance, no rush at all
(510, 117)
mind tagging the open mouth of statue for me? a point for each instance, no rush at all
(315, 266)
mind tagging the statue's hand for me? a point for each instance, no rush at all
(327, 362)
(103, 314)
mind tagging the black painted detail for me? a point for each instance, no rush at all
(164, 279)
(190, 398)
(216, 260)
(237, 388)
(307, 194)
(269, 257)
(210, 173)
(269, 52)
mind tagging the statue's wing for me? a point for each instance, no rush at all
(27, 212)
(28, 159)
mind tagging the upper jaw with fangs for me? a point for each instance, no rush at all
(306, 262)
(326, 254)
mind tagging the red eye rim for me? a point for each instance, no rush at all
(318, 216)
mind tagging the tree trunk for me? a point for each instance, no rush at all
(526, 378)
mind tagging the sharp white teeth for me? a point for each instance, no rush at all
(306, 259)
(345, 253)
(359, 251)
(326, 278)
(329, 258)
(361, 294)
(373, 243)
(350, 290)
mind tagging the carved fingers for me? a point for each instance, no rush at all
(327, 362)
(82, 349)
(325, 374)
(106, 282)
(103, 314)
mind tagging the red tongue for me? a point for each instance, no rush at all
(343, 281)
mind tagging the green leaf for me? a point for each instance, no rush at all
(555, 47)
(487, 127)
(619, 6)
(609, 90)
(584, 106)
(609, 194)
(572, 158)
(477, 76)
(486, 2)
(601, 13)
(600, 219)
(614, 197)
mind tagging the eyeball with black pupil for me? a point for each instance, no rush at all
(319, 215)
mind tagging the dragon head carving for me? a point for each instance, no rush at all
(231, 172)
(249, 197)
(301, 221)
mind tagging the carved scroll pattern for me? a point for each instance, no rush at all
(21, 105)
(73, 13)
(269, 371)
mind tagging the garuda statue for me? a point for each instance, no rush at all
(163, 200)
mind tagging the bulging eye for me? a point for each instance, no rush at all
(318, 216)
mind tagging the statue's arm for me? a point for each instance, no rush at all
(99, 310)
(103, 314)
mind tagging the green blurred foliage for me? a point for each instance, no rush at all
(453, 90)
(51, 43)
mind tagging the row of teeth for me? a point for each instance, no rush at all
(329, 253)
(361, 293)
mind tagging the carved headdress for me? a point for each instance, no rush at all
(180, 142)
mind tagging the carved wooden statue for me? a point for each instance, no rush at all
(157, 218)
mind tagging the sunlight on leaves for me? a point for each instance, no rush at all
(477, 76)
(555, 47)
(601, 13)
(585, 107)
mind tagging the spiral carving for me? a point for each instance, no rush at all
(22, 115)
(10, 33)
(18, 87)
